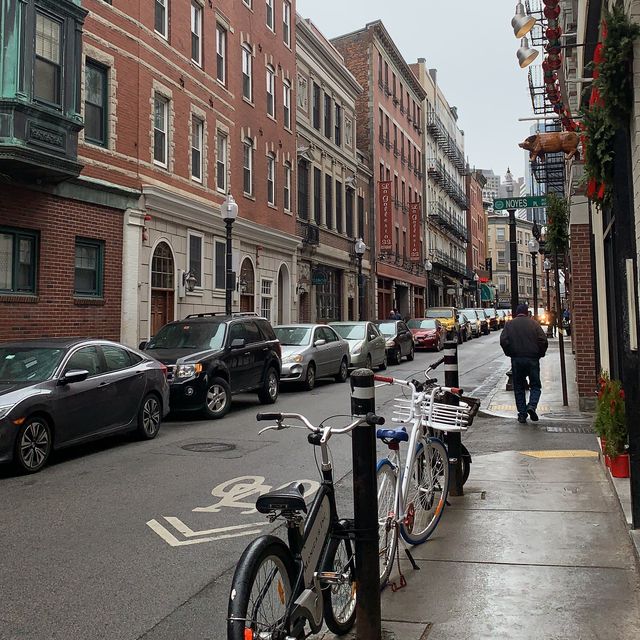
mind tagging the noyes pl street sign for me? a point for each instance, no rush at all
(525, 202)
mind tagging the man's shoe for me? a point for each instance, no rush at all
(532, 414)
(522, 419)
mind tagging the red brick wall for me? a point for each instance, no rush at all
(582, 321)
(54, 311)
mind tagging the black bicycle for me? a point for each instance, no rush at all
(280, 589)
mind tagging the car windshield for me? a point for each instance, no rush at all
(28, 364)
(350, 331)
(470, 313)
(387, 328)
(422, 324)
(439, 313)
(188, 335)
(293, 336)
(490, 312)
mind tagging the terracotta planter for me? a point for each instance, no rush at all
(619, 466)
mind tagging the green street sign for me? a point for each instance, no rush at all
(525, 202)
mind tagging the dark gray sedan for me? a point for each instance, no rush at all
(58, 392)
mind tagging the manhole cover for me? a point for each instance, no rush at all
(570, 428)
(209, 447)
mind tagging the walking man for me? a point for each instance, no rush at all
(524, 341)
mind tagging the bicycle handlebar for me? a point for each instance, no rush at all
(412, 385)
(371, 419)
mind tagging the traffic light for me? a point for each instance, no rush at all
(488, 264)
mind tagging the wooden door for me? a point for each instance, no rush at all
(162, 287)
(161, 309)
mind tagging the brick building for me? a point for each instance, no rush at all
(477, 245)
(389, 115)
(333, 182)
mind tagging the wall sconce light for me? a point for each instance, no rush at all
(189, 281)
(242, 285)
(301, 288)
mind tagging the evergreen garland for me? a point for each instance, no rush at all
(557, 238)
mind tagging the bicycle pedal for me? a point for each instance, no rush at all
(395, 587)
(329, 577)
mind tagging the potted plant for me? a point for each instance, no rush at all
(611, 425)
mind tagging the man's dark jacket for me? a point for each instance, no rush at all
(523, 337)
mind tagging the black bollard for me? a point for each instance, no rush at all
(365, 509)
(453, 439)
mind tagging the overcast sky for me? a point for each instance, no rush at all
(471, 44)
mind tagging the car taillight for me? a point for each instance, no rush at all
(164, 369)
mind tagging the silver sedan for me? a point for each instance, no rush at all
(366, 343)
(311, 351)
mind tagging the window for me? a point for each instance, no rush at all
(286, 104)
(500, 234)
(381, 125)
(194, 256)
(221, 162)
(339, 210)
(220, 275)
(270, 16)
(303, 189)
(247, 166)
(338, 125)
(197, 129)
(265, 299)
(501, 259)
(379, 68)
(328, 201)
(115, 358)
(271, 91)
(529, 286)
(160, 129)
(18, 253)
(161, 17)
(248, 3)
(221, 55)
(316, 107)
(47, 75)
(89, 267)
(286, 22)
(95, 103)
(287, 187)
(350, 195)
(502, 284)
(520, 285)
(327, 115)
(85, 359)
(196, 32)
(247, 73)
(317, 194)
(271, 179)
(360, 217)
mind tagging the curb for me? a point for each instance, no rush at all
(543, 418)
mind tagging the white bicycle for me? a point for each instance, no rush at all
(412, 495)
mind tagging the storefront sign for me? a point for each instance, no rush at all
(386, 216)
(414, 231)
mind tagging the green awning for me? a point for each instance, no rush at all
(487, 293)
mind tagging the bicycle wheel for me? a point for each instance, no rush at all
(466, 464)
(387, 529)
(427, 490)
(261, 589)
(339, 599)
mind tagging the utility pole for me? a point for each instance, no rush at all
(513, 246)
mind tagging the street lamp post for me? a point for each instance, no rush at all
(534, 247)
(360, 248)
(547, 268)
(229, 215)
(513, 246)
(428, 265)
(476, 279)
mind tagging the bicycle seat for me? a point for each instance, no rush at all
(397, 435)
(289, 498)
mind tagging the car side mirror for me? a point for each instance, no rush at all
(142, 345)
(237, 343)
(74, 375)
(319, 343)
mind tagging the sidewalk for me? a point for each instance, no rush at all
(536, 549)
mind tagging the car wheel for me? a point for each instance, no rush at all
(343, 373)
(33, 445)
(268, 394)
(218, 400)
(383, 364)
(411, 354)
(310, 378)
(396, 356)
(149, 417)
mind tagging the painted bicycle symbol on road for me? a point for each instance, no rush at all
(237, 493)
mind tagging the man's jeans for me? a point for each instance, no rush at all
(521, 369)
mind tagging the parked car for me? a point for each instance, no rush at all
(211, 357)
(502, 317)
(465, 327)
(312, 351)
(493, 318)
(484, 320)
(448, 316)
(428, 333)
(399, 340)
(366, 344)
(55, 393)
(474, 321)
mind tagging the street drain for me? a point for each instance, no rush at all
(570, 428)
(209, 447)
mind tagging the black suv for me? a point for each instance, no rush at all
(212, 356)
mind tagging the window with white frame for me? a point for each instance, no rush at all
(286, 104)
(247, 72)
(221, 161)
(161, 21)
(287, 187)
(196, 32)
(197, 137)
(529, 286)
(247, 166)
(271, 19)
(160, 129)
(502, 284)
(195, 241)
(500, 234)
(271, 91)
(520, 285)
(501, 259)
(221, 54)
(271, 179)
(47, 73)
(286, 22)
(266, 298)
